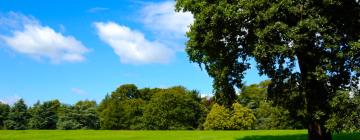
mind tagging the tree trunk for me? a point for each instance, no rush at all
(317, 131)
(316, 96)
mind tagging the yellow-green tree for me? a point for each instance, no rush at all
(235, 118)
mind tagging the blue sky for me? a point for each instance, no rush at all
(75, 50)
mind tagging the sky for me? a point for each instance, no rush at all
(75, 50)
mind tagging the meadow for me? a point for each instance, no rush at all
(161, 135)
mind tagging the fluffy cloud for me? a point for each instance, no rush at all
(131, 46)
(39, 42)
(162, 17)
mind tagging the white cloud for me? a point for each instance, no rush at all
(13, 20)
(162, 17)
(10, 100)
(39, 42)
(131, 46)
(78, 91)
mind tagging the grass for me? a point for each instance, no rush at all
(162, 135)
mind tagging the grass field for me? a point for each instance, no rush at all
(162, 135)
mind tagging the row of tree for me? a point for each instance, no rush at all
(175, 108)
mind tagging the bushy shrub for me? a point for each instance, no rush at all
(235, 118)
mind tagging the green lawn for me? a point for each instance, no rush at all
(161, 135)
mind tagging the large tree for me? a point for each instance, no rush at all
(309, 48)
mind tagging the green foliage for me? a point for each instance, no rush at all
(147, 93)
(267, 115)
(218, 118)
(18, 116)
(120, 110)
(251, 96)
(44, 116)
(88, 117)
(347, 116)
(241, 117)
(133, 112)
(81, 116)
(235, 118)
(310, 50)
(68, 118)
(126, 91)
(64, 124)
(130, 108)
(102, 110)
(173, 108)
(4, 111)
(270, 117)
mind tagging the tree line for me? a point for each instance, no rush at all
(174, 108)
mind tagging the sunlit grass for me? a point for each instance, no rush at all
(162, 135)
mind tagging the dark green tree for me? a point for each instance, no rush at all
(267, 115)
(82, 115)
(4, 111)
(68, 118)
(36, 120)
(251, 96)
(113, 108)
(44, 116)
(274, 117)
(133, 112)
(102, 110)
(173, 108)
(147, 93)
(126, 91)
(347, 119)
(18, 116)
(319, 37)
(87, 115)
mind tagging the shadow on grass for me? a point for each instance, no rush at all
(272, 137)
(346, 136)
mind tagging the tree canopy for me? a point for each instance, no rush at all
(18, 116)
(44, 116)
(173, 108)
(310, 50)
